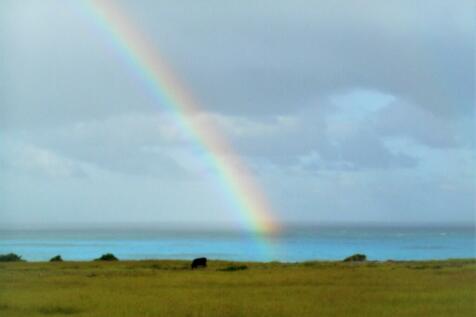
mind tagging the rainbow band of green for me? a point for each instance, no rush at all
(236, 180)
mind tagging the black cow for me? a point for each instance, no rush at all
(199, 262)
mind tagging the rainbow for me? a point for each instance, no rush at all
(245, 196)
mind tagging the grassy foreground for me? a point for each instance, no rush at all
(170, 288)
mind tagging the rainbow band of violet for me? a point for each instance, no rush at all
(238, 184)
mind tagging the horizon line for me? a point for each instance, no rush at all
(223, 225)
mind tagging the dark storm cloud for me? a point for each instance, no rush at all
(248, 58)
(269, 58)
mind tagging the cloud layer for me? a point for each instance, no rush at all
(344, 111)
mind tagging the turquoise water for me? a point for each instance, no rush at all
(296, 243)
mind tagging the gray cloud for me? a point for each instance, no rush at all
(133, 144)
(281, 58)
(286, 54)
(368, 100)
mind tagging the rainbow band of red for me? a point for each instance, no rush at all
(238, 184)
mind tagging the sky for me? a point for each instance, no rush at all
(344, 111)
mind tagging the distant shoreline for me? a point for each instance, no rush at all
(321, 261)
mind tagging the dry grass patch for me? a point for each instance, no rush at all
(171, 288)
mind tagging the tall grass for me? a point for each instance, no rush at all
(170, 288)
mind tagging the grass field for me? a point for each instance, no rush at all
(170, 288)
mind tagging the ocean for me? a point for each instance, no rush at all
(292, 244)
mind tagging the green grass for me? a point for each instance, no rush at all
(170, 288)
(233, 267)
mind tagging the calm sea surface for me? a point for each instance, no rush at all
(292, 244)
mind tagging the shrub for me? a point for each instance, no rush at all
(10, 257)
(56, 259)
(107, 257)
(356, 258)
(232, 268)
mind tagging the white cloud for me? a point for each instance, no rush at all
(29, 158)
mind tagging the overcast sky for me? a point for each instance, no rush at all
(349, 111)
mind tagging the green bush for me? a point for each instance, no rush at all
(107, 257)
(232, 268)
(356, 258)
(10, 257)
(56, 259)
